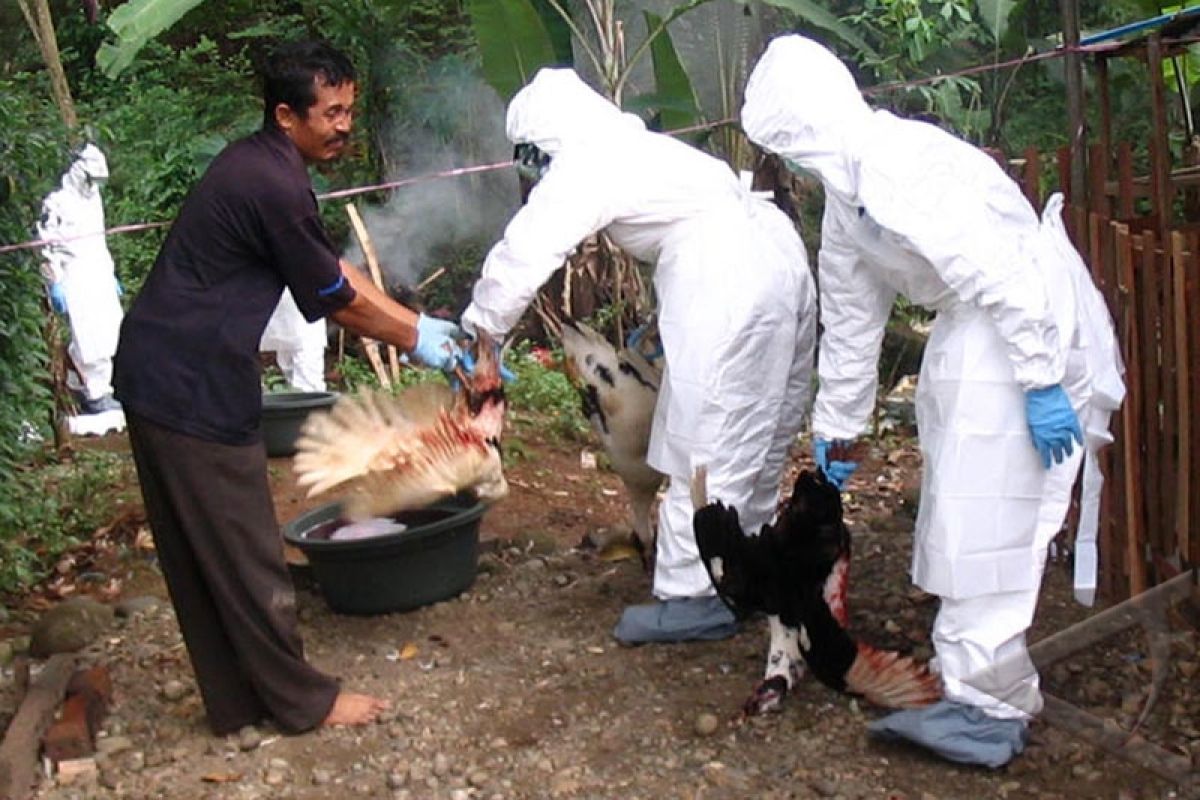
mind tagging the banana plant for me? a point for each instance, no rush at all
(135, 24)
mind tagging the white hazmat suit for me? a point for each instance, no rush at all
(79, 269)
(910, 209)
(299, 345)
(736, 302)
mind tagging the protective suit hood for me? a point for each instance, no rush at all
(803, 104)
(88, 167)
(557, 109)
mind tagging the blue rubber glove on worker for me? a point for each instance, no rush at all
(58, 298)
(438, 343)
(1052, 423)
(506, 374)
(838, 471)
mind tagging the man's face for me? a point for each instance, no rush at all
(322, 133)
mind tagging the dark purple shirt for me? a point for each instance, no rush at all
(188, 354)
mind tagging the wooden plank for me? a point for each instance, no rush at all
(19, 751)
(1127, 328)
(1147, 354)
(1101, 66)
(1097, 155)
(1164, 541)
(1183, 410)
(1193, 331)
(1031, 178)
(1063, 156)
(1125, 180)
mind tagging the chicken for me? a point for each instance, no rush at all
(392, 453)
(796, 571)
(618, 390)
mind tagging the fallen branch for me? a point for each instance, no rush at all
(19, 751)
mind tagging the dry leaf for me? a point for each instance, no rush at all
(222, 777)
(408, 652)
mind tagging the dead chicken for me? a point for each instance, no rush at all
(389, 453)
(618, 390)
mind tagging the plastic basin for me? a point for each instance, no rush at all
(434, 559)
(283, 413)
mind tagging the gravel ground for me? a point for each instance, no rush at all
(516, 688)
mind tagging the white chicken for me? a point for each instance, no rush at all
(618, 390)
(392, 453)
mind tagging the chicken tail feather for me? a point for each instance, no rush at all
(890, 680)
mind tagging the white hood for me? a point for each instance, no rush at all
(803, 104)
(558, 109)
(87, 168)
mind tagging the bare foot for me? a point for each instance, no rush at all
(355, 709)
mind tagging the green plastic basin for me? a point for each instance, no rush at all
(434, 559)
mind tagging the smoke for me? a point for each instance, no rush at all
(441, 116)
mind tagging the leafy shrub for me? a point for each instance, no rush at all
(62, 503)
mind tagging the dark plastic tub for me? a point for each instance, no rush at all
(434, 559)
(284, 413)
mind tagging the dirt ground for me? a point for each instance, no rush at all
(516, 689)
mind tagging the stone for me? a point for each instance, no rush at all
(706, 724)
(69, 626)
(174, 690)
(249, 738)
(132, 606)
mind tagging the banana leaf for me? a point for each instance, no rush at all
(995, 15)
(135, 23)
(813, 13)
(559, 32)
(674, 95)
(513, 43)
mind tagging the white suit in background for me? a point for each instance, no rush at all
(81, 277)
(299, 345)
(736, 312)
(910, 209)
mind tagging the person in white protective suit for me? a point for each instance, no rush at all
(299, 345)
(1021, 353)
(81, 278)
(736, 312)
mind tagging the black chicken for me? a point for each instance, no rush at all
(796, 571)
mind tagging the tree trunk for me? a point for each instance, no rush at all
(42, 26)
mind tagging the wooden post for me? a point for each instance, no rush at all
(1125, 181)
(1031, 178)
(1146, 292)
(371, 346)
(1076, 132)
(1160, 153)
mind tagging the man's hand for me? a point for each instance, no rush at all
(1052, 423)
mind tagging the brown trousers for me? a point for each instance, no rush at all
(213, 522)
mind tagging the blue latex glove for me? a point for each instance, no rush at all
(1052, 423)
(838, 472)
(506, 374)
(58, 298)
(438, 343)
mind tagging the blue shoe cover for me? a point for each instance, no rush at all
(956, 732)
(680, 619)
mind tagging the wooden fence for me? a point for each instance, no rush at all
(1149, 274)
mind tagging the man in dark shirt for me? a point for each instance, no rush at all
(187, 373)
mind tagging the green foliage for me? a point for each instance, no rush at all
(62, 503)
(135, 23)
(513, 42)
(32, 152)
(674, 95)
(544, 392)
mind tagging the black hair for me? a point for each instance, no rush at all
(288, 76)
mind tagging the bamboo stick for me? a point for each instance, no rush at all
(368, 248)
